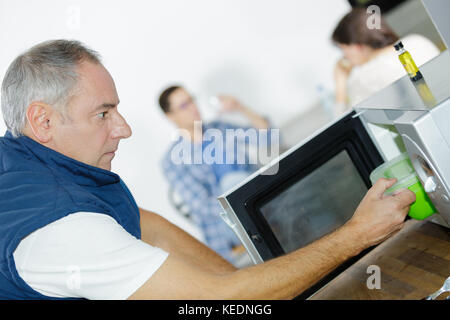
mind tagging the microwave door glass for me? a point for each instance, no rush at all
(315, 205)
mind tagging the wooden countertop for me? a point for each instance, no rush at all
(413, 264)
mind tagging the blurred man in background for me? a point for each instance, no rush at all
(199, 183)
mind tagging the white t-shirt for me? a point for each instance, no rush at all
(366, 79)
(86, 255)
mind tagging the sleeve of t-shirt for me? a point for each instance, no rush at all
(86, 255)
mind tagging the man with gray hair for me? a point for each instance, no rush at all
(71, 229)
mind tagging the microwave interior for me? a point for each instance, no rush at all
(316, 201)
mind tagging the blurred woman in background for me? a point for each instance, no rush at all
(370, 61)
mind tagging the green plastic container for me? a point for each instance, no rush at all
(402, 169)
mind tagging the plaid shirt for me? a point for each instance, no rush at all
(198, 186)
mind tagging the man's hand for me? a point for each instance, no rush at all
(378, 216)
(230, 103)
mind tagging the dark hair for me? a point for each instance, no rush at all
(164, 98)
(352, 29)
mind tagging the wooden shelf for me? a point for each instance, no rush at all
(413, 264)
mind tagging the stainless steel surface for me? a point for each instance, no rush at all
(404, 95)
(426, 137)
(438, 11)
(445, 288)
(410, 17)
(420, 112)
(430, 154)
(229, 216)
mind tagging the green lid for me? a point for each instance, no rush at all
(404, 183)
(401, 168)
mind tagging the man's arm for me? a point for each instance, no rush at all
(158, 232)
(376, 219)
(231, 104)
(203, 206)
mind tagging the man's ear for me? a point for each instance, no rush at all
(39, 115)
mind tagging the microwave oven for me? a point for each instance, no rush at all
(320, 181)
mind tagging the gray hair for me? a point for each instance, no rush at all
(44, 73)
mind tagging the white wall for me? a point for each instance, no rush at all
(270, 54)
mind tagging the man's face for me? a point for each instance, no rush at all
(93, 127)
(183, 110)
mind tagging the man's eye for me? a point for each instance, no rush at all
(102, 115)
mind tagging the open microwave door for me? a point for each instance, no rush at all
(316, 188)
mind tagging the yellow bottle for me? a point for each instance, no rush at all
(407, 62)
(425, 93)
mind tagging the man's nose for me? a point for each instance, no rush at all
(121, 128)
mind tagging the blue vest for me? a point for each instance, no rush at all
(39, 186)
